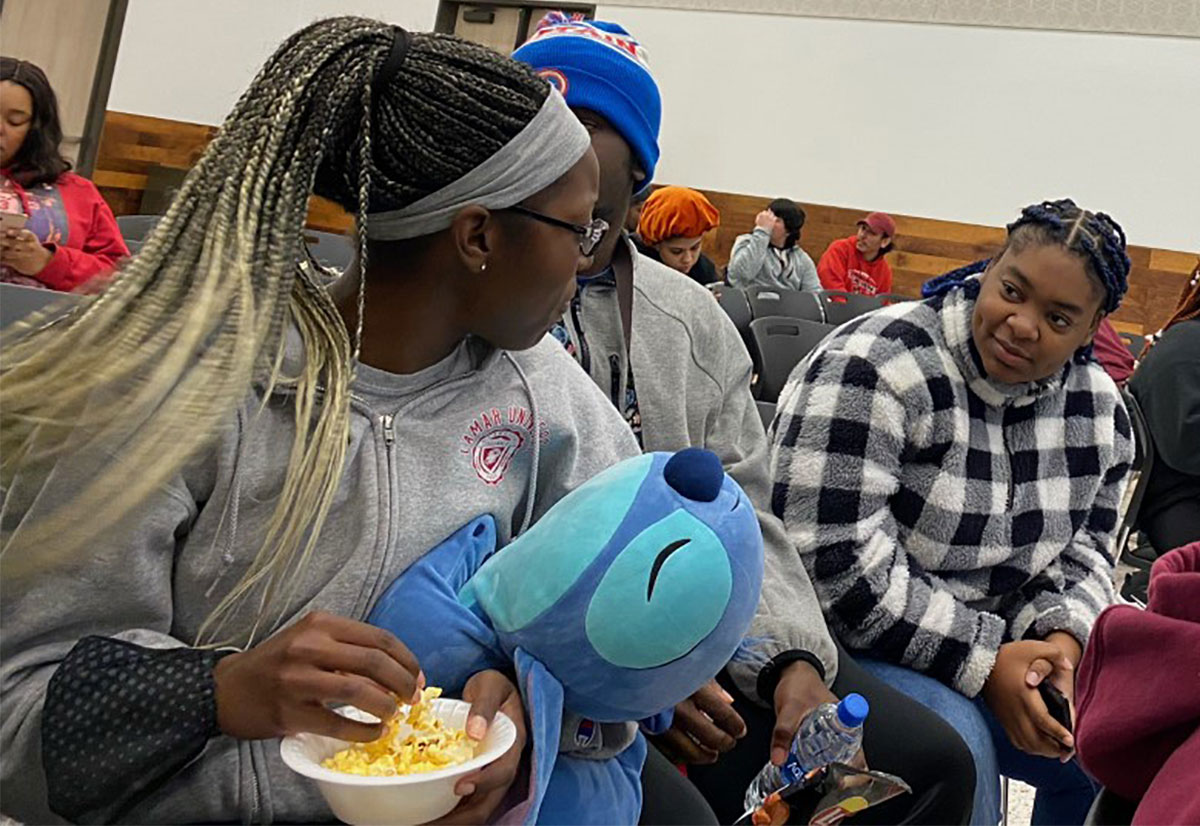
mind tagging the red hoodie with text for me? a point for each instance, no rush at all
(1138, 694)
(843, 267)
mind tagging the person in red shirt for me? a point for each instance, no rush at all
(856, 264)
(69, 235)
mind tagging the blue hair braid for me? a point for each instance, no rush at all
(1094, 236)
(942, 284)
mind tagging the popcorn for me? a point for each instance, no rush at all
(414, 741)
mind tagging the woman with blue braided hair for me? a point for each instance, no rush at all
(951, 472)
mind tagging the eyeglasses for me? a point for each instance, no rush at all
(589, 234)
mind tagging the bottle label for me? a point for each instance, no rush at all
(791, 770)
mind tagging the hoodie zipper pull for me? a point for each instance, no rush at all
(585, 357)
(389, 434)
(614, 365)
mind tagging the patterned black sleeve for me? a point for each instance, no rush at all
(119, 720)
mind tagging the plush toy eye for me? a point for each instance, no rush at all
(665, 593)
(553, 554)
(662, 557)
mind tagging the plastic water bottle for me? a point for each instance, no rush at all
(829, 734)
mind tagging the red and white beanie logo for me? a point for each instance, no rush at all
(623, 43)
(494, 439)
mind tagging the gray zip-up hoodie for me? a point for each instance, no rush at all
(692, 376)
(428, 452)
(755, 263)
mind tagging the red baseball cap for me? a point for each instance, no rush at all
(881, 222)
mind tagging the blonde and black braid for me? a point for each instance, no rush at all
(150, 369)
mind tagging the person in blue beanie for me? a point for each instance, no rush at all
(674, 365)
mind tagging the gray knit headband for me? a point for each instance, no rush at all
(536, 157)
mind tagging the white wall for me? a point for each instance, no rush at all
(190, 59)
(948, 122)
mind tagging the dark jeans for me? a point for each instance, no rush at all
(1064, 792)
(900, 737)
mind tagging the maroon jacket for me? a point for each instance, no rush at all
(1138, 694)
(1112, 353)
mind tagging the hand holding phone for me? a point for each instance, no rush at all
(1056, 703)
(12, 220)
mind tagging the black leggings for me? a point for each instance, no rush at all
(668, 799)
(900, 737)
(1172, 527)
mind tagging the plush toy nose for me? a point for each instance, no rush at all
(695, 473)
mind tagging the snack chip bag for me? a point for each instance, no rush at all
(826, 796)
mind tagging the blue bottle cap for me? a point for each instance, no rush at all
(853, 709)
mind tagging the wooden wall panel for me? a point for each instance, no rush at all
(64, 38)
(133, 146)
(327, 216)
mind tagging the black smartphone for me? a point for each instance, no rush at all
(1058, 705)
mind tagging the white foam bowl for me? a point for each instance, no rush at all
(408, 799)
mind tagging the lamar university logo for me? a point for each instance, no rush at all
(494, 439)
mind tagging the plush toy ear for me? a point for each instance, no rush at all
(425, 597)
(543, 697)
(566, 789)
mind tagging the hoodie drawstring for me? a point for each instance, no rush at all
(537, 445)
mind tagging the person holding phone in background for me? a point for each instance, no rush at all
(56, 231)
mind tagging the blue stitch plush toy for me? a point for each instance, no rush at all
(621, 601)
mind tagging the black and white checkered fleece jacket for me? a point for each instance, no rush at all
(940, 514)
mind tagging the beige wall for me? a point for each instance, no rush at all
(959, 123)
(64, 38)
(500, 34)
(189, 60)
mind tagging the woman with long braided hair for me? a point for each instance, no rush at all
(951, 472)
(213, 469)
(1166, 385)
